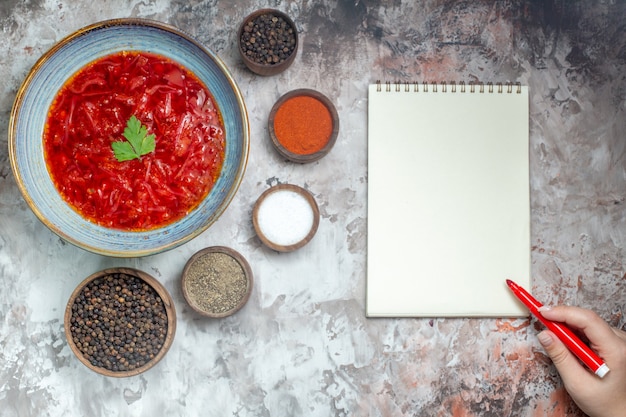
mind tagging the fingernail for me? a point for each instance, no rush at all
(544, 308)
(545, 339)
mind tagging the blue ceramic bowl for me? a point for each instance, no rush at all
(48, 75)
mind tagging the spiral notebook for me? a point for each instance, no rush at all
(448, 199)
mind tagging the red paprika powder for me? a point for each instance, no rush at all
(303, 125)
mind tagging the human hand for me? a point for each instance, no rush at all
(598, 397)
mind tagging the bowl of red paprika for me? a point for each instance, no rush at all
(303, 125)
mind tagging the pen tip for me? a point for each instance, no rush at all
(509, 282)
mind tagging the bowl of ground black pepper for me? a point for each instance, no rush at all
(217, 281)
(120, 322)
(268, 41)
(303, 125)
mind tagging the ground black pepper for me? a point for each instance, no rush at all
(268, 39)
(216, 282)
(118, 322)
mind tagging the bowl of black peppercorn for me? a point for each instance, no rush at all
(120, 322)
(268, 41)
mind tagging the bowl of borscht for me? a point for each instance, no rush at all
(128, 138)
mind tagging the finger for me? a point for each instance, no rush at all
(566, 363)
(619, 333)
(587, 321)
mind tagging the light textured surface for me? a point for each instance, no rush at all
(302, 344)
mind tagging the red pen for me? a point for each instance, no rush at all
(574, 344)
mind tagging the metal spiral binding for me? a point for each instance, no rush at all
(452, 87)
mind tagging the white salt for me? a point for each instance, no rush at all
(285, 217)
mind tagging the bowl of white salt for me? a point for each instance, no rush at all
(285, 217)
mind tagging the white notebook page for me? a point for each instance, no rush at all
(448, 202)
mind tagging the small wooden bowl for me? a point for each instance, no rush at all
(258, 67)
(274, 218)
(216, 275)
(99, 305)
(313, 156)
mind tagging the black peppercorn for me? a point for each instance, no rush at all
(105, 324)
(268, 39)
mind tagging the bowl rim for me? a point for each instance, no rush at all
(130, 22)
(239, 258)
(293, 188)
(170, 311)
(310, 157)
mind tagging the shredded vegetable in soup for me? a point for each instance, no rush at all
(134, 141)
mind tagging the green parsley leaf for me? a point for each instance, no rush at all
(138, 141)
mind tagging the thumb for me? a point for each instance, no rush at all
(566, 363)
